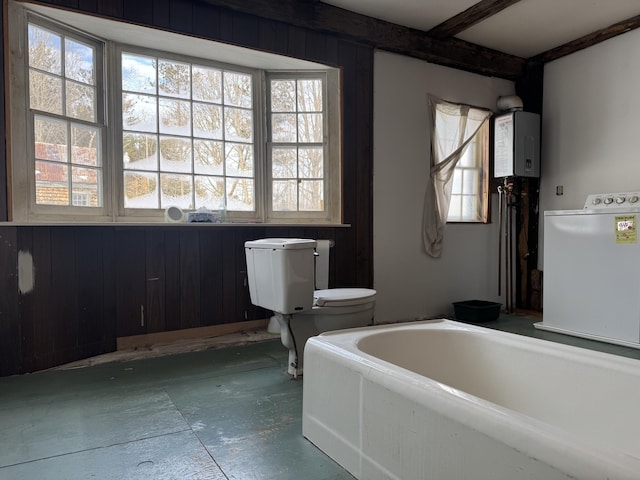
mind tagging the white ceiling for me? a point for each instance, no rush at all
(525, 29)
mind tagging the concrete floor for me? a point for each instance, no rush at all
(226, 413)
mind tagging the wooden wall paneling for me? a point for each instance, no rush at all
(4, 180)
(244, 308)
(10, 324)
(161, 13)
(109, 289)
(62, 313)
(181, 16)
(316, 46)
(211, 277)
(189, 278)
(89, 5)
(155, 280)
(90, 312)
(225, 30)
(206, 21)
(229, 287)
(130, 281)
(26, 306)
(140, 11)
(172, 287)
(297, 42)
(246, 31)
(112, 8)
(43, 314)
(363, 226)
(65, 3)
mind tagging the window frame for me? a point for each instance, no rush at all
(22, 186)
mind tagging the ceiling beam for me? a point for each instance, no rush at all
(319, 16)
(588, 40)
(472, 15)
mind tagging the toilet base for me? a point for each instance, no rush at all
(296, 329)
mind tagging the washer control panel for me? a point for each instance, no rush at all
(601, 201)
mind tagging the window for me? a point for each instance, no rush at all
(297, 135)
(469, 190)
(120, 132)
(66, 117)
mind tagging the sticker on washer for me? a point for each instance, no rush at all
(626, 229)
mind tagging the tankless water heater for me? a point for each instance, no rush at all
(517, 145)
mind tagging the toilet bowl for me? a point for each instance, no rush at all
(282, 274)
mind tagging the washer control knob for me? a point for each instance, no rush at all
(596, 201)
(620, 199)
(633, 199)
(608, 200)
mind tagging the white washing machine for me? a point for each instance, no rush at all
(592, 270)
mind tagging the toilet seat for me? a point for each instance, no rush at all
(343, 297)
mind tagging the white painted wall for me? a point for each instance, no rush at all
(591, 124)
(411, 284)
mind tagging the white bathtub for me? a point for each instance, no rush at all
(443, 400)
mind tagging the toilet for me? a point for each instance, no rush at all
(289, 276)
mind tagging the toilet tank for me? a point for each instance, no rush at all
(281, 273)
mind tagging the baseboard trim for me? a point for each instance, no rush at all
(144, 341)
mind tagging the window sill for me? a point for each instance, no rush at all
(174, 224)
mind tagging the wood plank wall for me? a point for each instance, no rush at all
(96, 283)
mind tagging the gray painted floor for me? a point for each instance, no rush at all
(227, 413)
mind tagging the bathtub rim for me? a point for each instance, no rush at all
(556, 447)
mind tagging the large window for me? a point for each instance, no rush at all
(120, 132)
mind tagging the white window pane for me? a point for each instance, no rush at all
(174, 79)
(81, 101)
(240, 194)
(237, 89)
(284, 162)
(283, 97)
(469, 208)
(175, 154)
(175, 190)
(209, 192)
(84, 145)
(207, 120)
(470, 182)
(456, 185)
(45, 92)
(208, 157)
(238, 124)
(285, 195)
(310, 128)
(455, 208)
(140, 151)
(207, 84)
(86, 183)
(311, 162)
(52, 183)
(467, 158)
(311, 195)
(175, 116)
(138, 73)
(239, 159)
(79, 62)
(310, 95)
(141, 190)
(139, 112)
(50, 139)
(45, 50)
(283, 127)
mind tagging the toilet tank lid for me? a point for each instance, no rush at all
(281, 243)
(343, 297)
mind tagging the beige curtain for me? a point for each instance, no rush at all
(453, 127)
